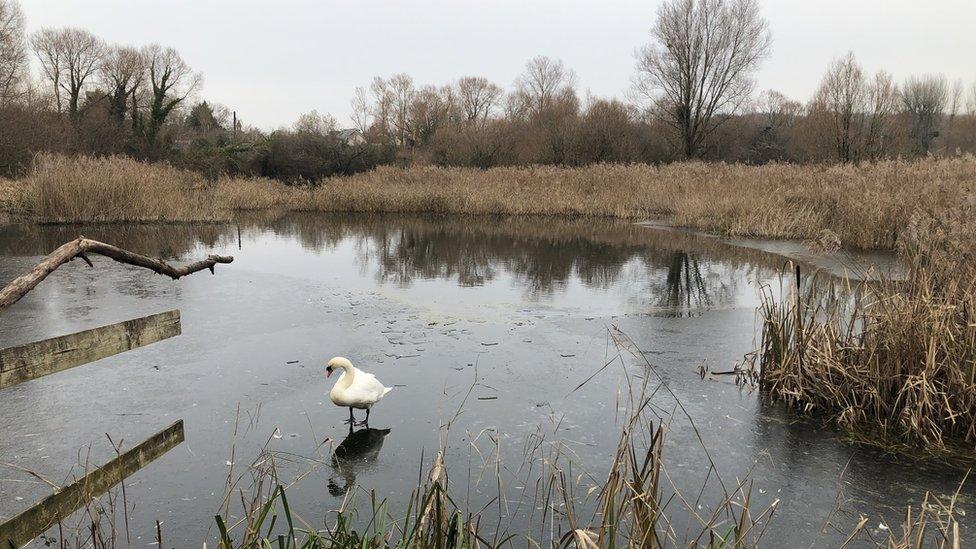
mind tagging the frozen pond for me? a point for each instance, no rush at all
(506, 316)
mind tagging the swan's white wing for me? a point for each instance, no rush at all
(365, 389)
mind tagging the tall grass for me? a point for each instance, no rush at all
(865, 206)
(894, 359)
(117, 189)
(15, 197)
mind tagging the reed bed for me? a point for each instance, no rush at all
(865, 206)
(243, 194)
(893, 360)
(15, 197)
(80, 189)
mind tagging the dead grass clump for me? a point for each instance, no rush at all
(240, 193)
(895, 359)
(117, 189)
(15, 197)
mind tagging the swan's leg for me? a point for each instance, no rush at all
(365, 422)
(352, 418)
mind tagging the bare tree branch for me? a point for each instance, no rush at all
(82, 246)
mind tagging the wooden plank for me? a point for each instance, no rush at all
(33, 522)
(33, 360)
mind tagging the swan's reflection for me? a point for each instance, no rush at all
(355, 454)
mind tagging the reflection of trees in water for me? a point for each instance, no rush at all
(685, 288)
(540, 265)
(542, 256)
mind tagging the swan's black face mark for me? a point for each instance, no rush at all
(328, 371)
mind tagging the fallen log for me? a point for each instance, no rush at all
(82, 246)
(41, 358)
(21, 529)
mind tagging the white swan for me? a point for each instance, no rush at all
(354, 388)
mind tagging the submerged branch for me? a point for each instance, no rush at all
(82, 246)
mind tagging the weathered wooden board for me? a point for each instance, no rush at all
(35, 521)
(33, 360)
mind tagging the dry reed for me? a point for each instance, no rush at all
(865, 206)
(894, 359)
(117, 189)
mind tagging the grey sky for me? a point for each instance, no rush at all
(272, 61)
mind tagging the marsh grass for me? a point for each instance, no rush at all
(865, 206)
(893, 360)
(80, 189)
(15, 197)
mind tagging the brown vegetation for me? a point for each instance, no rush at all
(116, 189)
(865, 206)
(894, 360)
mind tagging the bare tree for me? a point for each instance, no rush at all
(13, 51)
(954, 104)
(401, 95)
(121, 73)
(924, 101)
(68, 57)
(778, 110)
(971, 101)
(882, 98)
(518, 104)
(361, 110)
(315, 123)
(171, 81)
(477, 97)
(543, 80)
(698, 68)
(780, 114)
(429, 110)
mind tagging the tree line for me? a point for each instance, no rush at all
(694, 97)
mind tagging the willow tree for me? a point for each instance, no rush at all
(698, 68)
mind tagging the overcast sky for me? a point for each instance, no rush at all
(273, 60)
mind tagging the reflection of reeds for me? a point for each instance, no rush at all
(892, 359)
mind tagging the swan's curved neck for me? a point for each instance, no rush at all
(348, 373)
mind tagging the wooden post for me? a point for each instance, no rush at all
(33, 360)
(33, 522)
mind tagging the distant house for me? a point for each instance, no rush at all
(350, 136)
